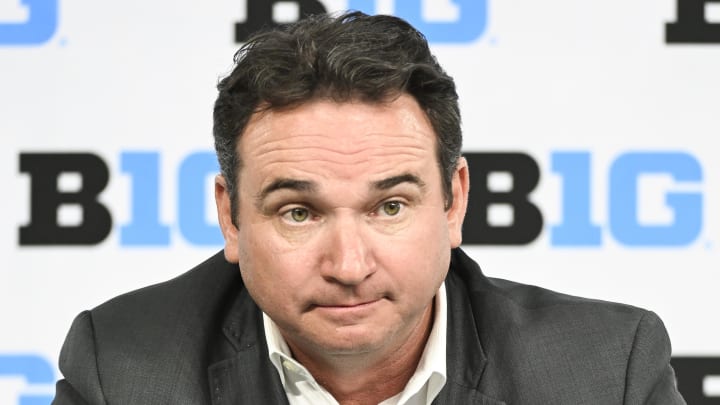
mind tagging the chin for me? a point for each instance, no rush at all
(350, 341)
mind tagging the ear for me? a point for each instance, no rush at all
(456, 212)
(224, 212)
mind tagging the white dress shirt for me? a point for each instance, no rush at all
(429, 378)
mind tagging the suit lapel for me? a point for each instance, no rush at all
(466, 360)
(246, 379)
(244, 374)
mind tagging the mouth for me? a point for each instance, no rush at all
(347, 305)
(344, 310)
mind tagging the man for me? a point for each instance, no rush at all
(341, 200)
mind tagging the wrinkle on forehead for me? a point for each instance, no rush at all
(345, 139)
(342, 143)
(328, 149)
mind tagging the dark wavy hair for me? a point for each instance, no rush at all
(352, 56)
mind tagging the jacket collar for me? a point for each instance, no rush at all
(244, 373)
(466, 359)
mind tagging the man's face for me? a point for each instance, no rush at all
(343, 238)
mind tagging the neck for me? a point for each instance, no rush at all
(369, 378)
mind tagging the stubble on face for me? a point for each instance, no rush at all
(342, 235)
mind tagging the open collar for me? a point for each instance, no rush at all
(242, 372)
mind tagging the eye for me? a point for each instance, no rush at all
(297, 214)
(391, 208)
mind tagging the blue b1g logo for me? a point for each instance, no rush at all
(441, 21)
(27, 22)
(37, 373)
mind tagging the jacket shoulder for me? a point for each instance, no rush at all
(152, 344)
(562, 348)
(192, 294)
(528, 306)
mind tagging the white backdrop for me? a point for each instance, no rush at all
(132, 79)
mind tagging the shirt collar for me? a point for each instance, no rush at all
(430, 375)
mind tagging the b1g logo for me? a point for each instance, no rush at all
(442, 21)
(625, 220)
(692, 25)
(50, 195)
(27, 22)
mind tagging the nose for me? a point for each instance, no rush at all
(348, 259)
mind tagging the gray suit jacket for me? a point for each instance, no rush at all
(199, 339)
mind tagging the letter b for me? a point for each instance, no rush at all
(691, 373)
(260, 15)
(692, 25)
(527, 219)
(46, 198)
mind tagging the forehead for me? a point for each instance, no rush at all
(347, 139)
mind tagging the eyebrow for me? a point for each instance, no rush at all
(287, 184)
(393, 181)
(311, 187)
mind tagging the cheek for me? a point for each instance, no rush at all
(273, 274)
(429, 231)
(420, 257)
